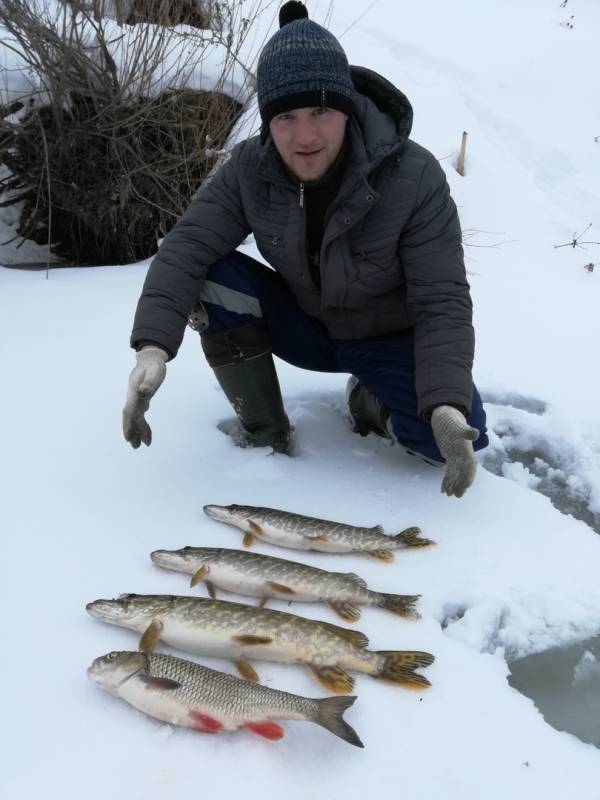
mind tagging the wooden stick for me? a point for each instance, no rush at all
(460, 167)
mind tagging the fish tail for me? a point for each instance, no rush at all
(399, 667)
(401, 604)
(330, 715)
(411, 537)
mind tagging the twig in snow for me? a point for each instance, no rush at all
(468, 233)
(460, 167)
(575, 241)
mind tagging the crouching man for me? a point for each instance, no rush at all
(366, 268)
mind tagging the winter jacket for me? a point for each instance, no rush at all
(391, 255)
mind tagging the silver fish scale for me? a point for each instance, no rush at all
(324, 584)
(359, 538)
(225, 695)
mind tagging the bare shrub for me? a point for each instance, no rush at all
(110, 149)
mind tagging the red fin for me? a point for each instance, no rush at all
(268, 729)
(204, 723)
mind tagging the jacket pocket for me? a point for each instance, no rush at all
(378, 270)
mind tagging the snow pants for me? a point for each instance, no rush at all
(238, 289)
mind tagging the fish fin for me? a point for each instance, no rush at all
(255, 528)
(356, 579)
(158, 683)
(321, 537)
(378, 529)
(248, 638)
(262, 602)
(268, 729)
(331, 717)
(279, 587)
(356, 638)
(246, 670)
(248, 540)
(347, 611)
(401, 604)
(151, 637)
(411, 537)
(381, 555)
(205, 724)
(334, 679)
(399, 667)
(210, 588)
(199, 576)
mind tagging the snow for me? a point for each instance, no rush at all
(510, 574)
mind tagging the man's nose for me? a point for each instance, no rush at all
(306, 132)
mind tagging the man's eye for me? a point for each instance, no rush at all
(320, 111)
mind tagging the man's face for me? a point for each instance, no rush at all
(309, 140)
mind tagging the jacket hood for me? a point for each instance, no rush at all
(383, 112)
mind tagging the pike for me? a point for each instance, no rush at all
(265, 577)
(287, 529)
(183, 693)
(241, 633)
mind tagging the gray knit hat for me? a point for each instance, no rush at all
(302, 66)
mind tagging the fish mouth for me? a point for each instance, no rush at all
(105, 611)
(220, 513)
(169, 559)
(115, 668)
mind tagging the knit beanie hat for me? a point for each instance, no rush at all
(302, 66)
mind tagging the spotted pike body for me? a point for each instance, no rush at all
(231, 630)
(183, 693)
(257, 575)
(287, 529)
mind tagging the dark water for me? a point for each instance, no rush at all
(564, 683)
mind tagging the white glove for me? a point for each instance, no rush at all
(454, 436)
(145, 378)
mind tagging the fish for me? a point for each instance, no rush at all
(190, 695)
(286, 529)
(204, 626)
(267, 577)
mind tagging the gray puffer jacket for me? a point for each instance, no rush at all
(391, 256)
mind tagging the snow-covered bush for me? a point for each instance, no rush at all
(111, 128)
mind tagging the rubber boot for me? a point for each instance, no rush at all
(367, 413)
(243, 365)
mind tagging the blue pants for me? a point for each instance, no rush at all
(239, 289)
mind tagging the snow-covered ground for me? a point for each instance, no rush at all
(511, 575)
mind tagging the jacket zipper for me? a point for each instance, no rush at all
(301, 198)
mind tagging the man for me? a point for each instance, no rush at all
(367, 274)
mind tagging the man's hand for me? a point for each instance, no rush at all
(453, 436)
(146, 377)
